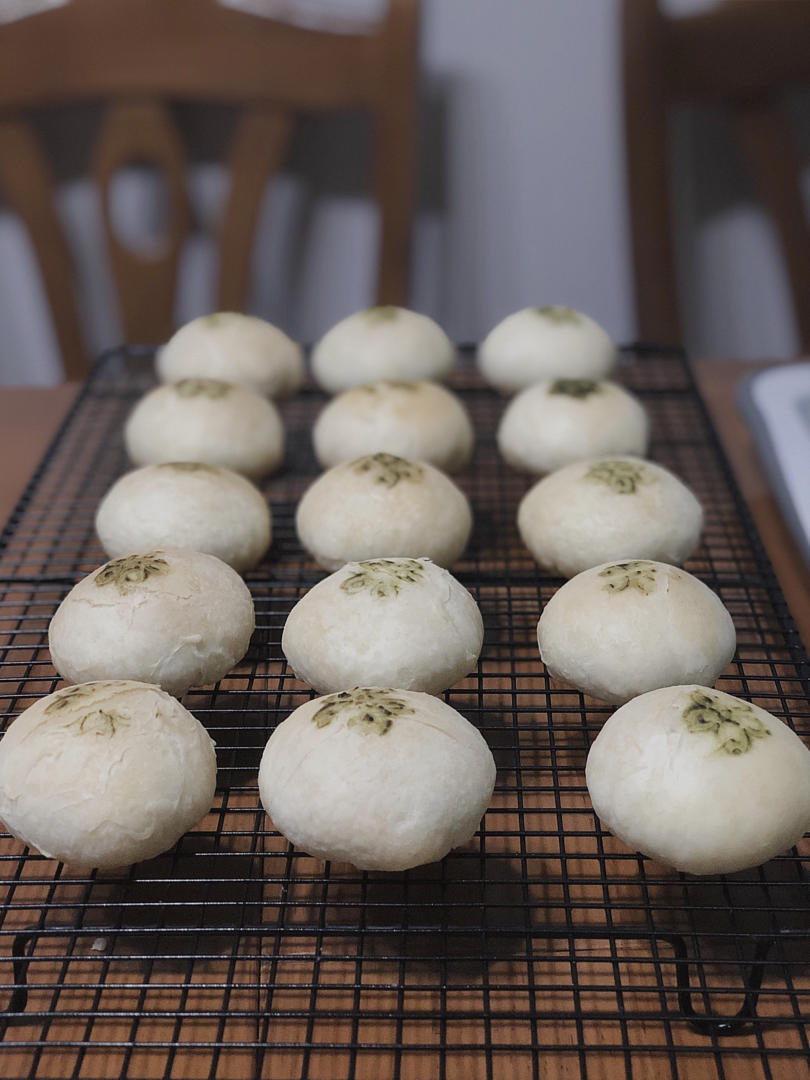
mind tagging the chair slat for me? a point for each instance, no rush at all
(143, 132)
(27, 184)
(261, 139)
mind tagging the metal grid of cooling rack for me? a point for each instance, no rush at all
(544, 949)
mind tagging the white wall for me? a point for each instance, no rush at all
(522, 202)
(535, 209)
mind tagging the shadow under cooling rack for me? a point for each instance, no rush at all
(543, 949)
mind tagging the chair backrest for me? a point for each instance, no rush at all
(138, 56)
(743, 55)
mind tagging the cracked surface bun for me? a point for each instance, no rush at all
(700, 780)
(186, 504)
(544, 343)
(384, 622)
(601, 509)
(174, 617)
(236, 348)
(558, 421)
(418, 420)
(381, 343)
(621, 629)
(383, 505)
(105, 774)
(383, 779)
(209, 421)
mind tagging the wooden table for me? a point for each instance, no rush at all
(29, 418)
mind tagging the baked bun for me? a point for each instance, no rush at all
(621, 629)
(383, 505)
(186, 504)
(417, 420)
(236, 348)
(385, 622)
(174, 617)
(544, 343)
(700, 780)
(383, 779)
(209, 421)
(105, 774)
(602, 509)
(555, 422)
(381, 343)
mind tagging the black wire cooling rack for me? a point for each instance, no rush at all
(545, 949)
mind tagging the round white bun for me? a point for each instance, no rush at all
(544, 343)
(620, 629)
(186, 504)
(383, 505)
(105, 774)
(700, 780)
(239, 349)
(383, 779)
(381, 343)
(209, 421)
(602, 509)
(418, 420)
(384, 622)
(173, 617)
(555, 422)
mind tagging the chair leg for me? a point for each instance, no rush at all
(648, 184)
(395, 148)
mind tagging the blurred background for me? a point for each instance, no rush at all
(521, 197)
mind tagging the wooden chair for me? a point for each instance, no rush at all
(743, 54)
(139, 56)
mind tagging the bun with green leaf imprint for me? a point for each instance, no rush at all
(700, 780)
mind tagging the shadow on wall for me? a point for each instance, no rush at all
(314, 260)
(314, 256)
(727, 248)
